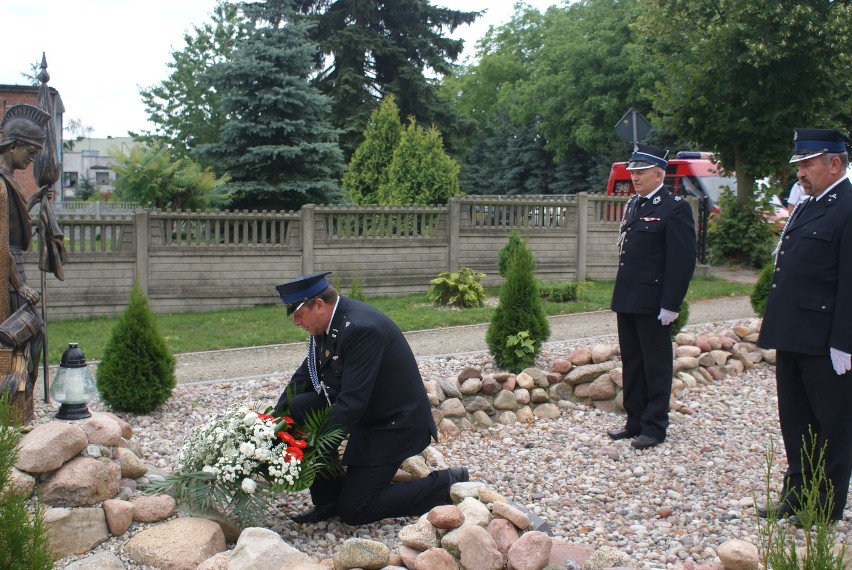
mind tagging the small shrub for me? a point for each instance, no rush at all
(356, 289)
(507, 251)
(761, 289)
(779, 550)
(461, 289)
(740, 234)
(519, 310)
(137, 372)
(561, 292)
(24, 543)
(682, 317)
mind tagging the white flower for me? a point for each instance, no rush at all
(249, 419)
(209, 469)
(247, 449)
(249, 486)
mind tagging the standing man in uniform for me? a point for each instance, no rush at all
(808, 320)
(657, 252)
(360, 363)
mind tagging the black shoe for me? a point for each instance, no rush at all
(317, 514)
(617, 434)
(645, 441)
(458, 475)
(780, 510)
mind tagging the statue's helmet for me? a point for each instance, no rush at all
(24, 123)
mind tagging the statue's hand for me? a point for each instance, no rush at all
(46, 191)
(29, 294)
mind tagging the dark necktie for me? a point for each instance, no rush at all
(797, 213)
(643, 200)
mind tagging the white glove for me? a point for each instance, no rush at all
(666, 317)
(842, 361)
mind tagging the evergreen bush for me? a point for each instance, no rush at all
(137, 372)
(505, 254)
(24, 544)
(460, 289)
(761, 289)
(519, 310)
(740, 233)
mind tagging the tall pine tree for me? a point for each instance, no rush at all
(277, 143)
(376, 47)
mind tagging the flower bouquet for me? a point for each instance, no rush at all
(239, 460)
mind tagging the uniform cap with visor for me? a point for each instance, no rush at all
(647, 156)
(299, 290)
(808, 143)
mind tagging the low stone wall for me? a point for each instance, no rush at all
(589, 375)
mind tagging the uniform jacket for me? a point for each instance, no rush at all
(809, 307)
(657, 255)
(376, 387)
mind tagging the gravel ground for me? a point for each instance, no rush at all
(663, 506)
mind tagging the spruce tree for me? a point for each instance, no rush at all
(368, 169)
(137, 372)
(24, 543)
(519, 310)
(420, 172)
(277, 142)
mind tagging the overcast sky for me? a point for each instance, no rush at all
(99, 52)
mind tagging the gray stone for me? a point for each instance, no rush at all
(584, 374)
(420, 535)
(99, 561)
(179, 544)
(263, 548)
(474, 512)
(361, 553)
(48, 446)
(82, 481)
(505, 400)
(71, 531)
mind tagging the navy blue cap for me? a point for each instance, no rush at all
(808, 143)
(301, 289)
(647, 156)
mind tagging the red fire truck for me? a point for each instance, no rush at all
(688, 174)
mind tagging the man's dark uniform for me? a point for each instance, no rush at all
(809, 311)
(656, 263)
(378, 394)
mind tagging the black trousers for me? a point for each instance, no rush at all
(366, 493)
(811, 396)
(646, 355)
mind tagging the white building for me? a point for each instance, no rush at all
(91, 159)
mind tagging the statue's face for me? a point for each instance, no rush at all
(21, 155)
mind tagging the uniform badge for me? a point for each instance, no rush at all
(656, 200)
(678, 198)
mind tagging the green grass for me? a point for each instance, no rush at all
(258, 326)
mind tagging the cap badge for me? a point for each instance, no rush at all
(656, 200)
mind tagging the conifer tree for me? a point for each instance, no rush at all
(519, 310)
(368, 169)
(137, 372)
(420, 172)
(277, 143)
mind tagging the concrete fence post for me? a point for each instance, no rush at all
(582, 234)
(141, 233)
(453, 223)
(307, 214)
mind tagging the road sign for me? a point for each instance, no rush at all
(632, 127)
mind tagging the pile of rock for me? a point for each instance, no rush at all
(86, 474)
(592, 375)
